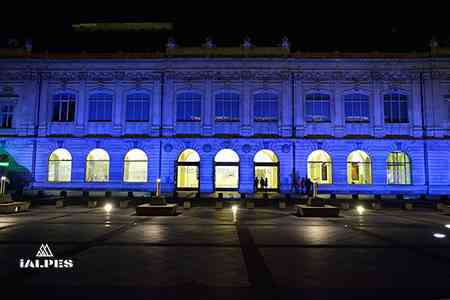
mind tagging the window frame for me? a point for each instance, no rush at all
(311, 119)
(277, 105)
(392, 120)
(65, 102)
(48, 166)
(229, 92)
(345, 100)
(200, 100)
(100, 91)
(146, 115)
(409, 164)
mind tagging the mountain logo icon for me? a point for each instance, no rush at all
(44, 251)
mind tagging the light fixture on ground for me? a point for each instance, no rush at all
(360, 209)
(108, 207)
(439, 235)
(234, 209)
(447, 226)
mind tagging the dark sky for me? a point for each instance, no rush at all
(318, 28)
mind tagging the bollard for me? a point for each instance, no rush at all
(249, 204)
(187, 204)
(355, 197)
(332, 196)
(130, 195)
(108, 194)
(59, 203)
(345, 205)
(124, 203)
(281, 204)
(376, 205)
(407, 206)
(63, 194)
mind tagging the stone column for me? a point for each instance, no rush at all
(44, 118)
(244, 111)
(207, 172)
(338, 110)
(416, 108)
(286, 107)
(376, 109)
(155, 112)
(299, 108)
(118, 103)
(168, 107)
(81, 108)
(208, 111)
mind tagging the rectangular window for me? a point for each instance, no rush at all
(227, 107)
(356, 108)
(189, 107)
(100, 107)
(395, 108)
(317, 108)
(266, 107)
(138, 107)
(63, 108)
(6, 115)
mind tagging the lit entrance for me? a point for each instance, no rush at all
(266, 171)
(187, 169)
(226, 170)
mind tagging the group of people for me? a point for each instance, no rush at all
(261, 183)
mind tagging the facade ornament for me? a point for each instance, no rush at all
(171, 44)
(247, 43)
(209, 44)
(28, 45)
(285, 43)
(246, 148)
(207, 148)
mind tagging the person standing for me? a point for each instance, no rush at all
(302, 185)
(255, 183)
(266, 183)
(261, 183)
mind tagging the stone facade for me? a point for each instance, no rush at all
(425, 138)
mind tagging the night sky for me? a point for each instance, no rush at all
(321, 28)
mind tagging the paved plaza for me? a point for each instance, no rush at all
(202, 253)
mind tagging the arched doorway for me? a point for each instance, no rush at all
(188, 171)
(226, 170)
(319, 167)
(359, 168)
(266, 166)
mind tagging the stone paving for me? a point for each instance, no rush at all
(267, 253)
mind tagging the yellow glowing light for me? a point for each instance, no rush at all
(439, 235)
(108, 207)
(234, 209)
(158, 180)
(360, 209)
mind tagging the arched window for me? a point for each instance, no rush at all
(398, 168)
(138, 107)
(60, 166)
(319, 167)
(266, 169)
(188, 165)
(226, 164)
(100, 107)
(227, 107)
(135, 166)
(97, 166)
(359, 168)
(395, 108)
(356, 107)
(317, 106)
(189, 107)
(63, 107)
(266, 107)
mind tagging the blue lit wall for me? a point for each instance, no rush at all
(33, 136)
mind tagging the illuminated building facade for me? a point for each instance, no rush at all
(354, 124)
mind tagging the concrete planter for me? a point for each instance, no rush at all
(345, 205)
(376, 205)
(59, 203)
(249, 204)
(408, 206)
(219, 204)
(124, 203)
(92, 203)
(187, 204)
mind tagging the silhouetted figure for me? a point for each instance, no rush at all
(302, 185)
(256, 184)
(308, 185)
(266, 183)
(261, 183)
